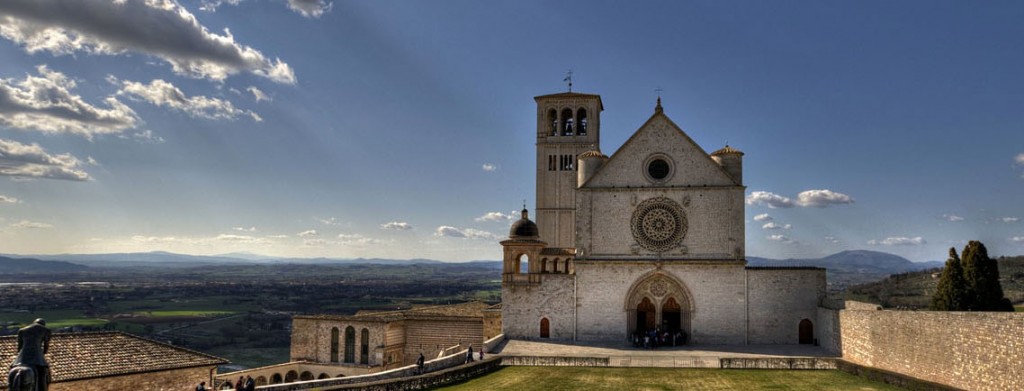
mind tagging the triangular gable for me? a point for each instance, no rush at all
(659, 135)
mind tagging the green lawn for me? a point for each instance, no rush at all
(55, 319)
(591, 379)
(178, 313)
(1020, 308)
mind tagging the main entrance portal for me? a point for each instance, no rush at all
(658, 302)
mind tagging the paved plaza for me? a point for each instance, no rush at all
(691, 356)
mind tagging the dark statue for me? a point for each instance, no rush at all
(30, 371)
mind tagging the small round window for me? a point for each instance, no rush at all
(658, 168)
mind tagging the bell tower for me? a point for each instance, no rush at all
(568, 124)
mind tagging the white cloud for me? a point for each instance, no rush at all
(808, 198)
(25, 224)
(781, 239)
(496, 216)
(277, 236)
(46, 103)
(772, 225)
(239, 238)
(243, 229)
(356, 239)
(313, 242)
(898, 241)
(144, 137)
(308, 233)
(1017, 239)
(257, 94)
(32, 161)
(770, 199)
(307, 8)
(329, 221)
(952, 217)
(162, 93)
(160, 28)
(832, 239)
(763, 217)
(396, 226)
(1009, 219)
(489, 167)
(822, 198)
(310, 8)
(8, 200)
(468, 233)
(1019, 159)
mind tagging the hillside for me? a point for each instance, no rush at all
(915, 289)
(30, 266)
(852, 267)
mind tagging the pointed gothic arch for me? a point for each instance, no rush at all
(672, 304)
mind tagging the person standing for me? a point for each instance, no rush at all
(419, 363)
(469, 355)
(240, 384)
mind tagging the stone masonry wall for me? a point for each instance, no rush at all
(718, 313)
(311, 339)
(175, 379)
(970, 350)
(523, 306)
(779, 300)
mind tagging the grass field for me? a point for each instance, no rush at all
(591, 379)
(1020, 308)
(55, 319)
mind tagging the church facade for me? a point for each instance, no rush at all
(650, 238)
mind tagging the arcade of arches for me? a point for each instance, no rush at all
(658, 302)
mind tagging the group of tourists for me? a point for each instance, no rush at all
(244, 383)
(652, 339)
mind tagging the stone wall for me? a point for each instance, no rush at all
(970, 350)
(311, 339)
(175, 379)
(301, 370)
(778, 363)
(716, 290)
(431, 337)
(780, 298)
(523, 307)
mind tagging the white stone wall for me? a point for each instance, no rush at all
(779, 300)
(311, 339)
(714, 223)
(523, 306)
(717, 292)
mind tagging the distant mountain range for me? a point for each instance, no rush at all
(844, 268)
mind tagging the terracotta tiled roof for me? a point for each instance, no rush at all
(473, 309)
(726, 151)
(76, 356)
(592, 153)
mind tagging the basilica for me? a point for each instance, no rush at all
(649, 238)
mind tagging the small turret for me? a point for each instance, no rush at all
(731, 159)
(589, 163)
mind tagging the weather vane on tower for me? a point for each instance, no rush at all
(568, 79)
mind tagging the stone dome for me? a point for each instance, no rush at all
(524, 228)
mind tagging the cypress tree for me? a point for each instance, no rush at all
(984, 292)
(952, 287)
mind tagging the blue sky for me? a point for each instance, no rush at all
(404, 129)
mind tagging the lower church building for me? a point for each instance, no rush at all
(650, 238)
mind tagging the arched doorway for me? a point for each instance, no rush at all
(806, 332)
(545, 328)
(275, 379)
(291, 376)
(659, 301)
(646, 316)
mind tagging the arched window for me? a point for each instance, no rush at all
(554, 266)
(545, 328)
(523, 264)
(276, 379)
(306, 375)
(334, 344)
(291, 376)
(582, 118)
(364, 347)
(553, 120)
(323, 376)
(350, 344)
(567, 128)
(543, 265)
